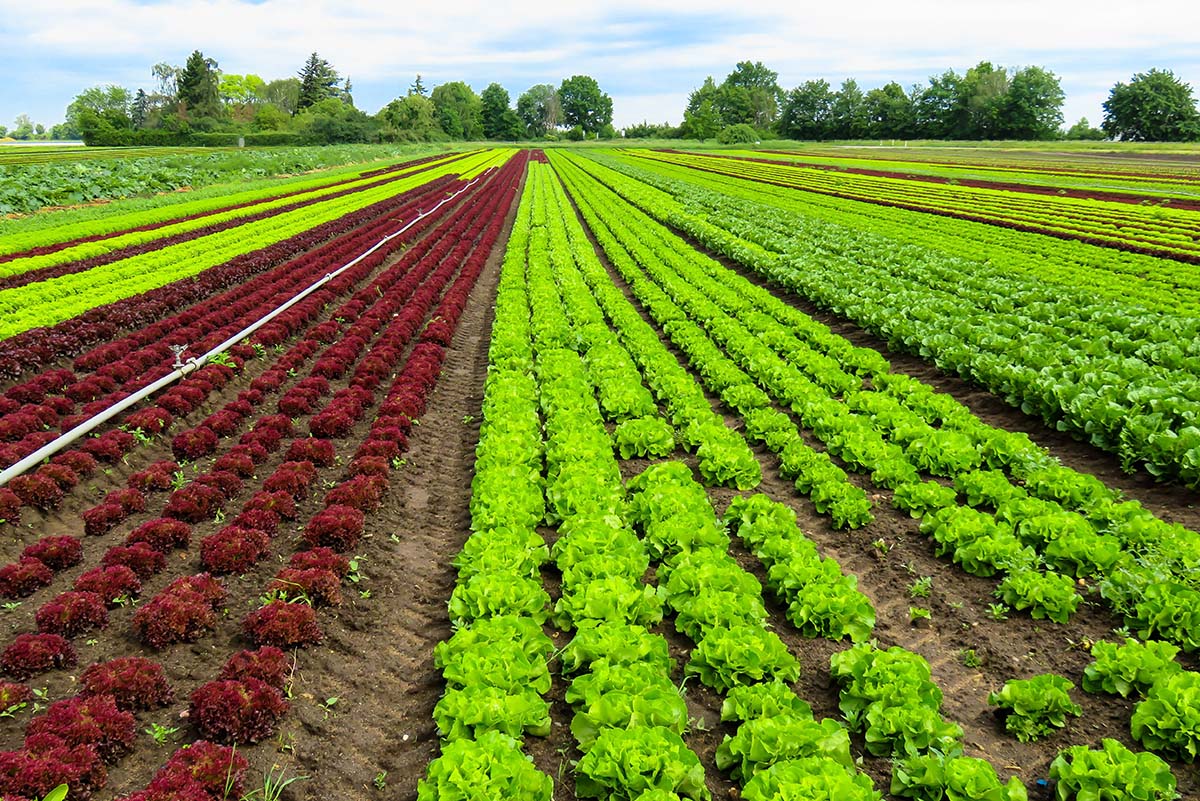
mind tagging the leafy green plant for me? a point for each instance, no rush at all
(761, 742)
(643, 437)
(160, 733)
(1034, 708)
(934, 777)
(917, 613)
(969, 658)
(1168, 719)
(728, 657)
(274, 785)
(921, 587)
(624, 763)
(812, 779)
(998, 612)
(490, 766)
(1112, 771)
(1045, 595)
(1130, 668)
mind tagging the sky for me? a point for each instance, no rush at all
(648, 55)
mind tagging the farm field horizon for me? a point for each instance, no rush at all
(847, 471)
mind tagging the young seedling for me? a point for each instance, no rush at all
(970, 658)
(921, 587)
(998, 611)
(380, 780)
(916, 614)
(160, 733)
(273, 785)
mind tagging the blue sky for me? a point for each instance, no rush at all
(648, 55)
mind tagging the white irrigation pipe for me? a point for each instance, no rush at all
(195, 363)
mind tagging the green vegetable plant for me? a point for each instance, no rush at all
(1111, 772)
(1034, 708)
(1129, 669)
(1168, 720)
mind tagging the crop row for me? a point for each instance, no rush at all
(34, 409)
(28, 267)
(244, 703)
(48, 302)
(177, 216)
(1157, 231)
(1122, 377)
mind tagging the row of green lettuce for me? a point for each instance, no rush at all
(1161, 229)
(901, 721)
(1118, 374)
(1022, 510)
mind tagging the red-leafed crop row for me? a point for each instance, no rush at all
(361, 343)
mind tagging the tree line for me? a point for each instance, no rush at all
(199, 104)
(987, 102)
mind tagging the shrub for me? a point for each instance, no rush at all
(316, 586)
(22, 578)
(163, 534)
(282, 624)
(182, 616)
(134, 682)
(88, 720)
(267, 664)
(103, 518)
(30, 654)
(233, 549)
(72, 613)
(139, 557)
(237, 711)
(57, 553)
(337, 527)
(110, 583)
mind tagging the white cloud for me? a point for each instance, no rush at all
(648, 54)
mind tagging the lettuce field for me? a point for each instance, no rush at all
(831, 474)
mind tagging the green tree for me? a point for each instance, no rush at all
(981, 103)
(751, 95)
(494, 113)
(457, 109)
(583, 103)
(808, 111)
(346, 93)
(109, 104)
(284, 93)
(242, 90)
(318, 81)
(332, 121)
(270, 117)
(411, 118)
(702, 118)
(417, 87)
(649, 130)
(891, 113)
(849, 117)
(539, 110)
(1154, 106)
(1033, 106)
(1083, 130)
(139, 110)
(3, 131)
(198, 88)
(738, 134)
(167, 76)
(937, 106)
(22, 128)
